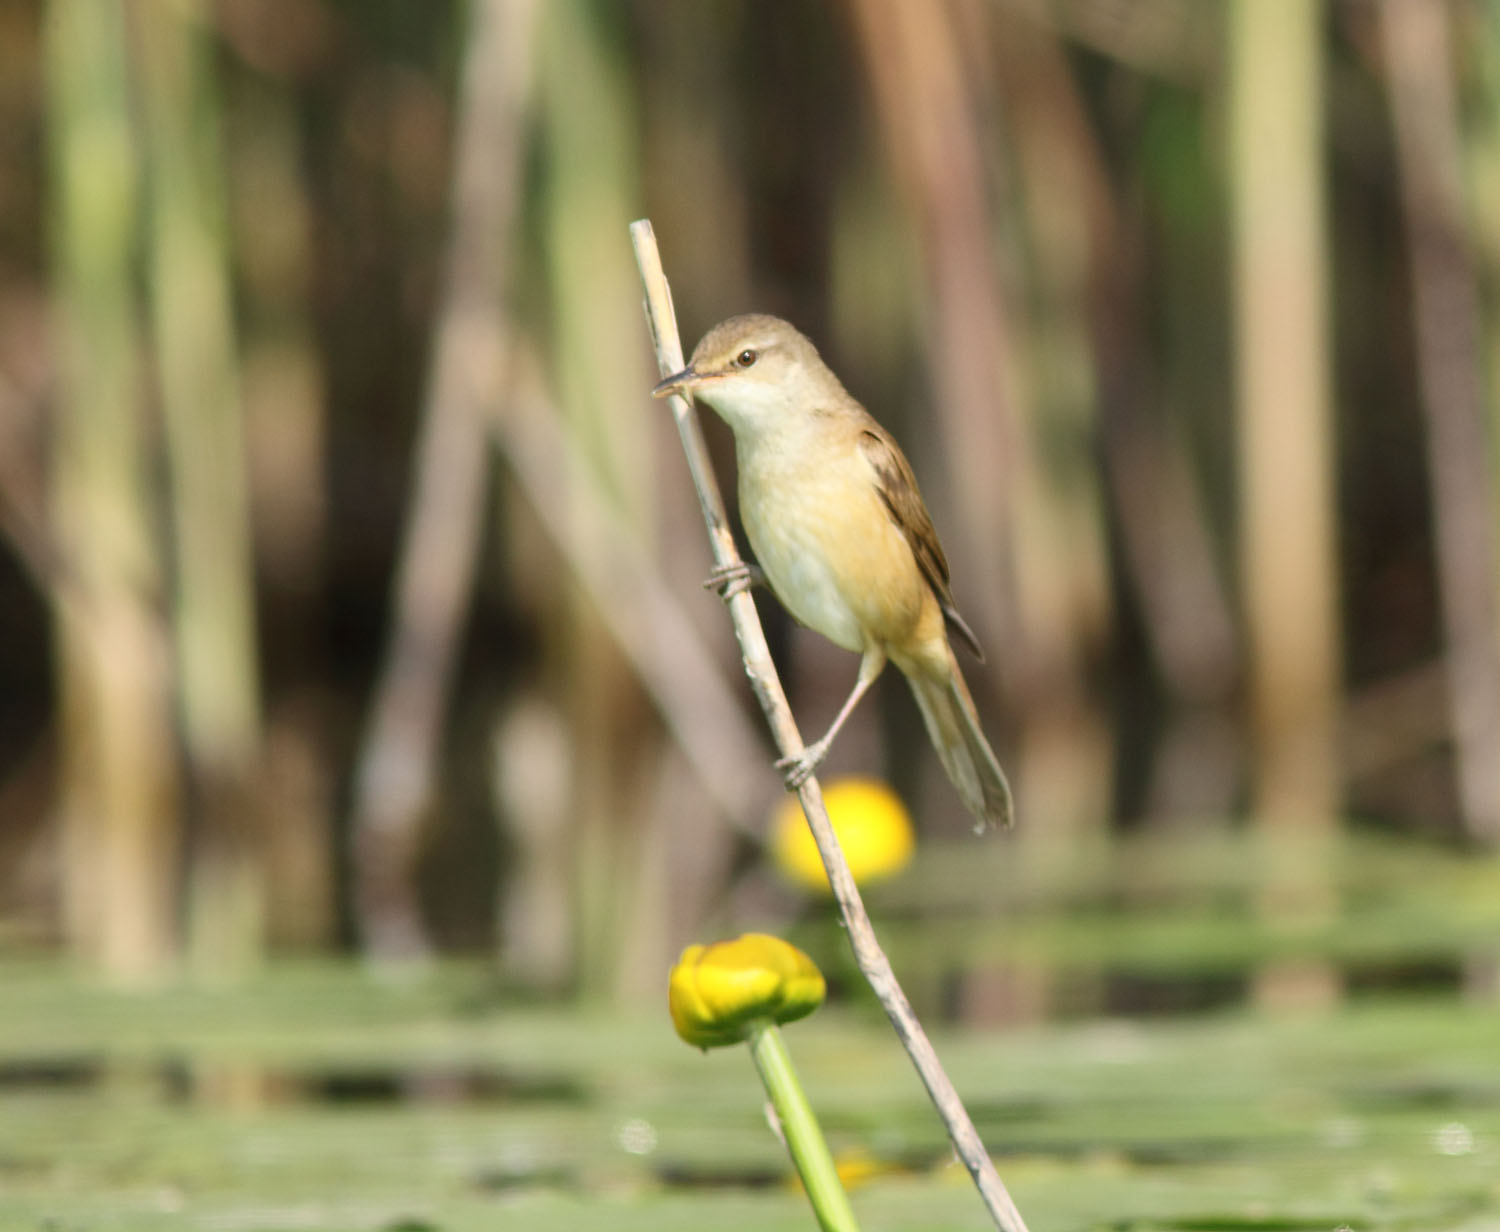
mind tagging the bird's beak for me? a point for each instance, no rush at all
(678, 383)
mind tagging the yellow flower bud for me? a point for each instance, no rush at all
(716, 992)
(873, 827)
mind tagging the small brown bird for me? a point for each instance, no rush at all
(832, 510)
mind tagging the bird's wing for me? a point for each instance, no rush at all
(898, 491)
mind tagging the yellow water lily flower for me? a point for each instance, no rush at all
(873, 827)
(717, 992)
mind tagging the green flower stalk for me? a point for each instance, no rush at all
(737, 992)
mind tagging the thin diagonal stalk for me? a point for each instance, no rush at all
(394, 778)
(872, 961)
(632, 599)
(1445, 313)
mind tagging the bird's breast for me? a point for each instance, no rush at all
(830, 550)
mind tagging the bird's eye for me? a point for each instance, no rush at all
(745, 358)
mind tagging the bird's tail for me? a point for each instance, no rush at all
(953, 726)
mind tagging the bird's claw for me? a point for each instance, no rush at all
(798, 768)
(730, 580)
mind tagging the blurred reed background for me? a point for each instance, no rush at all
(349, 578)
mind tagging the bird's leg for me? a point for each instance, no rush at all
(796, 769)
(729, 580)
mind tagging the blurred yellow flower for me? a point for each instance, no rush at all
(873, 827)
(857, 1166)
(717, 991)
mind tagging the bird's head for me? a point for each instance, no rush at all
(758, 372)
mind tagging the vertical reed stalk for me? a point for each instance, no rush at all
(286, 415)
(1288, 564)
(118, 790)
(591, 164)
(218, 687)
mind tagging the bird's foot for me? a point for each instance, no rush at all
(730, 580)
(798, 768)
